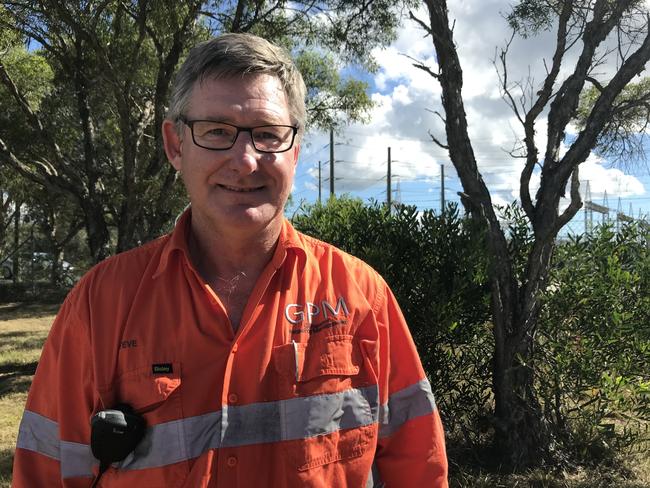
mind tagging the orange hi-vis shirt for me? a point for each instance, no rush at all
(321, 385)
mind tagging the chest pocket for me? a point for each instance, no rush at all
(312, 366)
(159, 459)
(331, 356)
(338, 424)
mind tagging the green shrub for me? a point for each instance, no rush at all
(593, 338)
(435, 266)
(594, 343)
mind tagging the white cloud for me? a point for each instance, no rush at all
(406, 98)
(612, 181)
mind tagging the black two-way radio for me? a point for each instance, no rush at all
(114, 434)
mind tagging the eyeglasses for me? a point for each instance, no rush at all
(219, 136)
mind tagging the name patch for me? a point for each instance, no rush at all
(165, 368)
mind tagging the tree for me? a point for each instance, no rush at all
(97, 136)
(521, 434)
(52, 211)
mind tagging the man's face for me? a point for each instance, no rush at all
(239, 190)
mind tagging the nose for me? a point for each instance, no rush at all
(243, 155)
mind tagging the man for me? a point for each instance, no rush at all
(256, 355)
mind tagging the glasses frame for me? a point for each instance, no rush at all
(190, 124)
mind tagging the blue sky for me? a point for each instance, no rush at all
(402, 119)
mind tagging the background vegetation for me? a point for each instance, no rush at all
(591, 353)
(537, 349)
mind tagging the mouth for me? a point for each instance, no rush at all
(240, 189)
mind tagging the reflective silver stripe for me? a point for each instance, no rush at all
(180, 440)
(77, 460)
(256, 423)
(411, 402)
(39, 434)
(162, 444)
(299, 418)
(202, 433)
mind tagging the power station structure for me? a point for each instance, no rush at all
(607, 215)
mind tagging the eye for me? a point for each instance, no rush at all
(217, 131)
(268, 136)
(214, 130)
(271, 133)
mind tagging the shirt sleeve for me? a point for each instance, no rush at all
(411, 446)
(53, 439)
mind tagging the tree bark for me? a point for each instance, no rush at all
(522, 437)
(98, 237)
(16, 263)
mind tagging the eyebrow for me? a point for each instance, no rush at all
(257, 123)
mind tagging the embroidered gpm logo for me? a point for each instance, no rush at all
(318, 316)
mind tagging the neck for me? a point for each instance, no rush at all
(224, 257)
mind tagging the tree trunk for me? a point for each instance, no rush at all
(97, 231)
(16, 263)
(521, 436)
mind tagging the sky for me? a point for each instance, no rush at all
(403, 118)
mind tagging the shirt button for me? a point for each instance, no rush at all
(231, 462)
(234, 348)
(232, 398)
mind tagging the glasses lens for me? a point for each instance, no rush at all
(273, 138)
(214, 135)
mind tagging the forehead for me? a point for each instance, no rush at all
(251, 98)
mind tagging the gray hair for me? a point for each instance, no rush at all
(236, 55)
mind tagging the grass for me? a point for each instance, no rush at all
(24, 327)
(543, 478)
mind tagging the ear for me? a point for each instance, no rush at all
(172, 143)
(296, 153)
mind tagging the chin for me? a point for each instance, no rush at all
(247, 219)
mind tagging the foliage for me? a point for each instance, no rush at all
(529, 17)
(623, 137)
(594, 342)
(328, 95)
(519, 237)
(51, 213)
(95, 135)
(435, 265)
(592, 348)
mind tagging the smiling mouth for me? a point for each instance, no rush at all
(240, 189)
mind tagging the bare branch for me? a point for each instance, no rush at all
(565, 103)
(421, 23)
(602, 110)
(543, 97)
(574, 206)
(595, 82)
(419, 65)
(503, 79)
(437, 142)
(427, 70)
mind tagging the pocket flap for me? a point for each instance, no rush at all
(329, 355)
(144, 388)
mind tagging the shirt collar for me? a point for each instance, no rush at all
(289, 240)
(178, 242)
